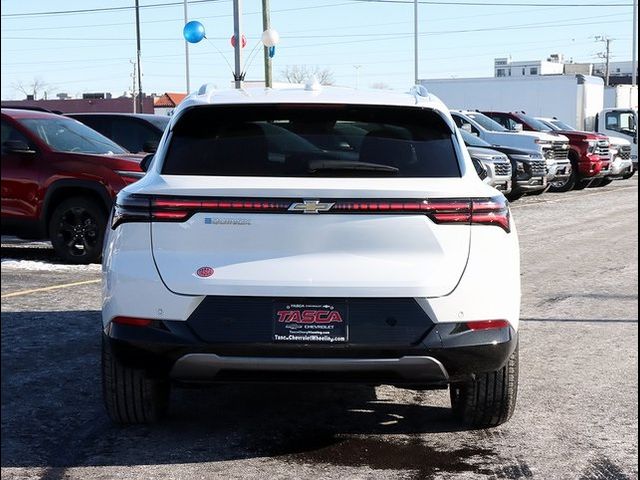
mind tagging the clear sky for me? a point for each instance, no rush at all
(91, 52)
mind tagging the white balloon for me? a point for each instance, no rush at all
(270, 37)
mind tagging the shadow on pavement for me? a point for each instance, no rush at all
(52, 413)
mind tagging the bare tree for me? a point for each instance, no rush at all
(36, 87)
(302, 73)
(381, 86)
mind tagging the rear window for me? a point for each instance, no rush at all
(311, 140)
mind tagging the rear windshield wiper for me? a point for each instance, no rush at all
(340, 165)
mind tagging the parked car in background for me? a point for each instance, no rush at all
(528, 167)
(59, 179)
(496, 165)
(588, 152)
(551, 146)
(137, 132)
(619, 152)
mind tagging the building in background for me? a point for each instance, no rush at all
(165, 104)
(90, 102)
(555, 64)
(505, 67)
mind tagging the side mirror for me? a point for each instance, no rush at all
(481, 170)
(146, 162)
(17, 146)
(466, 127)
(150, 146)
(518, 127)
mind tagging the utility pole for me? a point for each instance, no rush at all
(266, 25)
(140, 99)
(133, 85)
(186, 51)
(606, 55)
(357, 67)
(237, 31)
(415, 41)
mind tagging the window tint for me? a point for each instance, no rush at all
(132, 134)
(10, 134)
(319, 140)
(66, 135)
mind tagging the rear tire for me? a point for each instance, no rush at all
(76, 229)
(489, 399)
(130, 396)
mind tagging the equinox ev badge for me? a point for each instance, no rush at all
(311, 206)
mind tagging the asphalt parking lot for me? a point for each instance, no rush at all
(577, 415)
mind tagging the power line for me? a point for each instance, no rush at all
(491, 4)
(101, 10)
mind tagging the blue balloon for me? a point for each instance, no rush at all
(193, 32)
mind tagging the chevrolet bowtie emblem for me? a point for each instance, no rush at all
(311, 206)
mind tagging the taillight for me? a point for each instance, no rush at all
(483, 211)
(130, 208)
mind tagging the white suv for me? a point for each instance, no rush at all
(313, 235)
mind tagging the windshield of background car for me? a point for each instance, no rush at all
(311, 141)
(561, 125)
(487, 123)
(535, 123)
(66, 135)
(473, 141)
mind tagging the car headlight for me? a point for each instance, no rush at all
(520, 167)
(539, 141)
(591, 145)
(613, 151)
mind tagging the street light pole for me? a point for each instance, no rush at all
(237, 32)
(186, 51)
(140, 99)
(266, 25)
(415, 41)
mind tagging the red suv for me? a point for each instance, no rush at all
(59, 179)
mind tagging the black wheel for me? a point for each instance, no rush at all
(77, 229)
(489, 399)
(130, 396)
(561, 186)
(627, 176)
(583, 184)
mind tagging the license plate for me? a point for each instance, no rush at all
(311, 322)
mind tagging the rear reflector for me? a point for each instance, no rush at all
(133, 321)
(487, 324)
(482, 211)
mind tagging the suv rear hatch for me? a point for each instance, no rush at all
(320, 201)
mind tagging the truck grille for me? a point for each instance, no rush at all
(502, 168)
(625, 152)
(558, 151)
(538, 168)
(602, 148)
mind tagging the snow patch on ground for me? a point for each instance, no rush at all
(39, 266)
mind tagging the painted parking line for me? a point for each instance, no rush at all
(46, 289)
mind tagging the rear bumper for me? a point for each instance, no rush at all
(447, 352)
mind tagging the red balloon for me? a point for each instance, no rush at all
(233, 41)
